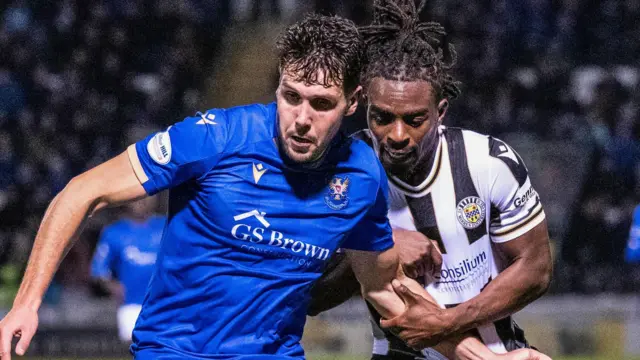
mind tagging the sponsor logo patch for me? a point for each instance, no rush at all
(522, 200)
(254, 229)
(471, 212)
(159, 148)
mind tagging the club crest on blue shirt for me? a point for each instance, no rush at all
(471, 212)
(336, 197)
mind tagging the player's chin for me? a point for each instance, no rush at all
(301, 156)
(396, 165)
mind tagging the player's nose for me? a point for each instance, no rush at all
(398, 137)
(303, 118)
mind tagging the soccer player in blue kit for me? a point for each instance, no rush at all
(261, 197)
(125, 257)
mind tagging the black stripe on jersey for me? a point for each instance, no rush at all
(424, 218)
(462, 182)
(501, 151)
(510, 334)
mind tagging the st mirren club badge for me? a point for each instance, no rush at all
(471, 212)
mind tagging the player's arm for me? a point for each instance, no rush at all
(417, 254)
(523, 281)
(520, 236)
(392, 294)
(185, 151)
(111, 183)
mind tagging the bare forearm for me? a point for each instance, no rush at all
(460, 346)
(518, 285)
(60, 226)
(382, 297)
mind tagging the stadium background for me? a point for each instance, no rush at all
(558, 80)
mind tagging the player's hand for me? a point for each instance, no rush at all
(419, 255)
(523, 354)
(423, 324)
(20, 322)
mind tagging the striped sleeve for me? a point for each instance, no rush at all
(516, 206)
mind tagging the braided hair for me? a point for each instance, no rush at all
(400, 47)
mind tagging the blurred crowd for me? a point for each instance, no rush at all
(78, 81)
(558, 80)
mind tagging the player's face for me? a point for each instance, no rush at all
(404, 117)
(310, 116)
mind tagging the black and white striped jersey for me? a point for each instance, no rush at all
(476, 193)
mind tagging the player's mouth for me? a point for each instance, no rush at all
(398, 156)
(395, 158)
(300, 144)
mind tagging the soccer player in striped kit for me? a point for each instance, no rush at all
(469, 193)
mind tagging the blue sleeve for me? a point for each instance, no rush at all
(106, 255)
(186, 150)
(632, 252)
(373, 232)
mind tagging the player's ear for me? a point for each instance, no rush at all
(353, 101)
(443, 105)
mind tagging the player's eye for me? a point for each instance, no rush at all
(416, 121)
(292, 98)
(322, 104)
(381, 118)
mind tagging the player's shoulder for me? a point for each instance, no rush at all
(364, 136)
(224, 129)
(475, 144)
(480, 148)
(251, 123)
(488, 156)
(363, 155)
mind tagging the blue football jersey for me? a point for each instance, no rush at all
(127, 251)
(632, 252)
(247, 233)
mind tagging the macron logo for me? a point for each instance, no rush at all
(207, 119)
(258, 171)
(508, 153)
(255, 213)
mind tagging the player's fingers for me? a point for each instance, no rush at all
(390, 324)
(25, 340)
(6, 335)
(436, 262)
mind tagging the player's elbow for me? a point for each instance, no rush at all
(78, 191)
(541, 278)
